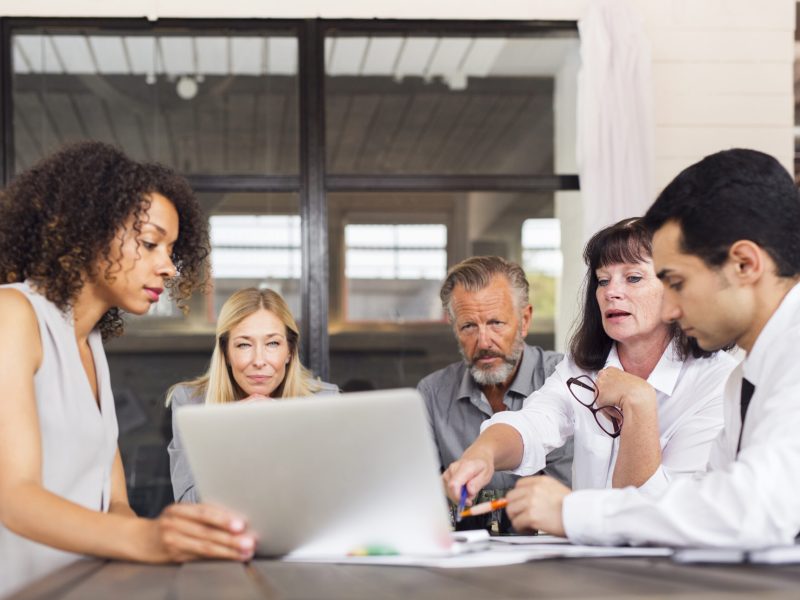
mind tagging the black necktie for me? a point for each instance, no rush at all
(747, 393)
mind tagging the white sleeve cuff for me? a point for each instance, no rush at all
(529, 464)
(657, 484)
(583, 517)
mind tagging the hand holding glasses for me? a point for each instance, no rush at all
(584, 390)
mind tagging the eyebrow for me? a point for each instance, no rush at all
(663, 273)
(250, 337)
(160, 229)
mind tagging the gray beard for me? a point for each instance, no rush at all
(500, 373)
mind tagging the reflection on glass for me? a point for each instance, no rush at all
(396, 251)
(442, 104)
(543, 264)
(246, 247)
(255, 242)
(216, 104)
(393, 270)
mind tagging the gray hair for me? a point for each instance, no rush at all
(477, 272)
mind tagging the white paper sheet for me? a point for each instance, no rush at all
(481, 558)
(508, 553)
(529, 540)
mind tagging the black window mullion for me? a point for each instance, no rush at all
(6, 118)
(313, 205)
(452, 183)
(244, 183)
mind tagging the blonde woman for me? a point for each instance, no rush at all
(255, 357)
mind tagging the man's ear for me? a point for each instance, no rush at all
(527, 315)
(748, 261)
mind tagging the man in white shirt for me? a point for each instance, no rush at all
(727, 248)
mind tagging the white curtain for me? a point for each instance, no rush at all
(615, 115)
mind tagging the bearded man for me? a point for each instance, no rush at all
(486, 299)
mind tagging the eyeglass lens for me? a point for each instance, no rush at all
(583, 389)
(609, 420)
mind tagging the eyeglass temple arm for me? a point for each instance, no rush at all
(581, 384)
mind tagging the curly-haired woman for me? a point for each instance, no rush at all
(86, 235)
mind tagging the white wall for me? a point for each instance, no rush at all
(723, 77)
(722, 69)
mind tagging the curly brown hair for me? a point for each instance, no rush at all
(58, 219)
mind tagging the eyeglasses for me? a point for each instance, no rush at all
(609, 418)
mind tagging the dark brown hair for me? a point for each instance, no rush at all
(58, 219)
(628, 241)
(733, 195)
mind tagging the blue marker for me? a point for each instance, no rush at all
(461, 503)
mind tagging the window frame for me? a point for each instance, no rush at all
(313, 183)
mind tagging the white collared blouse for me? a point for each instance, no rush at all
(689, 396)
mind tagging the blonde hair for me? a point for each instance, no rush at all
(217, 384)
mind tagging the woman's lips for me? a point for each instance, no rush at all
(153, 293)
(616, 315)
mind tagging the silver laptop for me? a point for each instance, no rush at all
(323, 476)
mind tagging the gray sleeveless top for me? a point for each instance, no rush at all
(79, 441)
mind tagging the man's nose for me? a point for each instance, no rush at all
(484, 338)
(670, 311)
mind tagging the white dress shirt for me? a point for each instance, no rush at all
(749, 501)
(689, 396)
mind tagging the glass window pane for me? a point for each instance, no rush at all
(365, 236)
(408, 253)
(442, 104)
(389, 254)
(207, 104)
(543, 264)
(255, 242)
(415, 250)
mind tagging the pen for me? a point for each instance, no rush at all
(484, 507)
(461, 503)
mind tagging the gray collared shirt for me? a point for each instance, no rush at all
(457, 407)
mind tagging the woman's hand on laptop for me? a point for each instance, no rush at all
(185, 532)
(474, 472)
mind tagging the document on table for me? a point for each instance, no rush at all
(562, 548)
(535, 540)
(475, 552)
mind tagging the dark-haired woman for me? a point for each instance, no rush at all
(85, 235)
(642, 402)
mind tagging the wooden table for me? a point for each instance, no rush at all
(563, 578)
